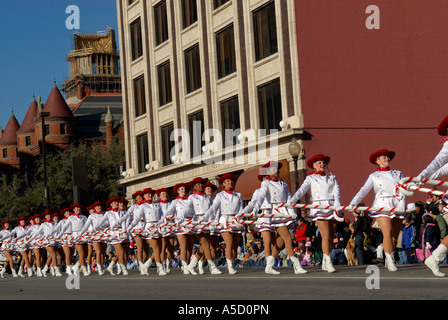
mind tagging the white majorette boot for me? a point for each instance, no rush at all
(110, 268)
(84, 271)
(124, 270)
(57, 272)
(167, 266)
(2, 273)
(45, 270)
(30, 272)
(68, 270)
(270, 261)
(185, 268)
(297, 266)
(147, 265)
(20, 273)
(389, 262)
(160, 269)
(14, 273)
(193, 263)
(39, 272)
(327, 264)
(100, 270)
(433, 261)
(141, 268)
(201, 267)
(213, 268)
(230, 267)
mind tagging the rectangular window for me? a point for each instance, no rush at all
(196, 129)
(192, 69)
(5, 153)
(27, 141)
(265, 31)
(164, 79)
(167, 144)
(62, 129)
(189, 12)
(139, 96)
(270, 106)
(225, 48)
(142, 152)
(230, 121)
(160, 23)
(219, 3)
(47, 130)
(136, 39)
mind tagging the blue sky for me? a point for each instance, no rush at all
(34, 44)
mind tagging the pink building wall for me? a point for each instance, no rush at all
(364, 90)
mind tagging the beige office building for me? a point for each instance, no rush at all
(209, 87)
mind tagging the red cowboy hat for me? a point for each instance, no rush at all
(111, 200)
(76, 205)
(177, 186)
(379, 153)
(123, 200)
(443, 126)
(64, 210)
(97, 203)
(137, 193)
(148, 190)
(55, 214)
(6, 221)
(211, 185)
(158, 191)
(45, 213)
(21, 218)
(317, 157)
(227, 176)
(197, 180)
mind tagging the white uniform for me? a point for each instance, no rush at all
(5, 237)
(164, 209)
(182, 210)
(431, 171)
(201, 203)
(92, 222)
(276, 192)
(265, 223)
(325, 191)
(383, 183)
(42, 234)
(227, 205)
(76, 223)
(150, 214)
(64, 236)
(112, 219)
(20, 232)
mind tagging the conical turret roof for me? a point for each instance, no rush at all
(9, 135)
(28, 122)
(56, 105)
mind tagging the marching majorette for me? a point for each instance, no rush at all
(265, 228)
(383, 181)
(168, 239)
(99, 245)
(209, 190)
(437, 168)
(38, 251)
(76, 222)
(228, 203)
(19, 233)
(111, 221)
(325, 191)
(141, 244)
(181, 210)
(275, 191)
(151, 214)
(200, 204)
(65, 239)
(7, 248)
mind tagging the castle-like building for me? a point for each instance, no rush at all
(91, 110)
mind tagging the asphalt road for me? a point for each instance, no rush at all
(410, 282)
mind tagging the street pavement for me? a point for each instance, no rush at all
(410, 282)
